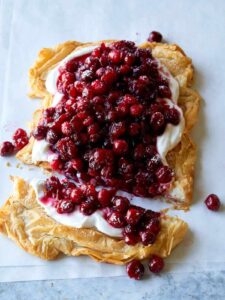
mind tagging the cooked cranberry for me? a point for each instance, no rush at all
(153, 226)
(129, 59)
(88, 207)
(121, 203)
(157, 121)
(156, 264)
(213, 202)
(116, 219)
(164, 174)
(65, 206)
(153, 190)
(105, 197)
(147, 237)
(6, 149)
(164, 91)
(56, 164)
(134, 129)
(120, 147)
(118, 129)
(39, 132)
(98, 87)
(139, 151)
(172, 116)
(67, 128)
(66, 148)
(155, 36)
(115, 56)
(136, 110)
(109, 76)
(76, 195)
(133, 215)
(20, 139)
(135, 269)
(52, 136)
(129, 100)
(52, 185)
(77, 164)
(130, 235)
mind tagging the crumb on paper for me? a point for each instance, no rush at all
(8, 164)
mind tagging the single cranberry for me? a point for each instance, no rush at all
(153, 226)
(6, 149)
(130, 235)
(65, 206)
(109, 76)
(153, 190)
(135, 269)
(52, 185)
(121, 203)
(172, 116)
(157, 121)
(164, 174)
(76, 195)
(147, 237)
(155, 36)
(164, 91)
(105, 197)
(52, 136)
(134, 129)
(136, 110)
(116, 219)
(133, 215)
(129, 99)
(20, 139)
(66, 128)
(118, 129)
(139, 151)
(88, 207)
(77, 164)
(56, 164)
(66, 148)
(39, 133)
(115, 56)
(96, 52)
(98, 87)
(120, 147)
(156, 264)
(213, 202)
(129, 59)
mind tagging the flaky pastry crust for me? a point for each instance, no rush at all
(23, 220)
(181, 158)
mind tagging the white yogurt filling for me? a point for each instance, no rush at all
(76, 218)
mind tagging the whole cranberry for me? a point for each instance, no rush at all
(116, 219)
(6, 149)
(155, 36)
(67, 128)
(164, 174)
(156, 264)
(52, 136)
(153, 226)
(164, 91)
(52, 186)
(88, 207)
(120, 147)
(65, 206)
(98, 87)
(130, 235)
(135, 269)
(39, 132)
(121, 203)
(213, 202)
(20, 138)
(66, 148)
(105, 197)
(136, 110)
(157, 121)
(77, 164)
(115, 56)
(76, 195)
(147, 237)
(133, 215)
(172, 116)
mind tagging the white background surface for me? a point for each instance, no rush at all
(198, 27)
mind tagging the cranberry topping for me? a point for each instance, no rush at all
(135, 269)
(213, 202)
(155, 36)
(137, 224)
(6, 149)
(156, 264)
(107, 123)
(20, 139)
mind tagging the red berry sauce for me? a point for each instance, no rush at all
(106, 126)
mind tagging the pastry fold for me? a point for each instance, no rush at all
(182, 157)
(23, 220)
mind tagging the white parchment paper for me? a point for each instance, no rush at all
(198, 27)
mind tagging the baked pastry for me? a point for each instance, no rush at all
(25, 221)
(181, 154)
(113, 115)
